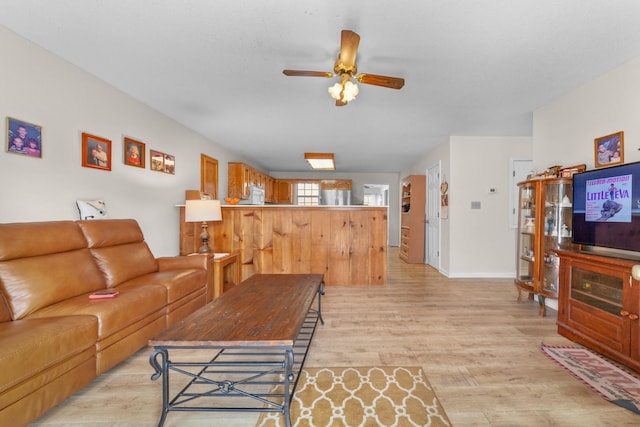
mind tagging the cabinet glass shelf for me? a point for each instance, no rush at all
(598, 290)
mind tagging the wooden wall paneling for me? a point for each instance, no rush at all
(378, 247)
(263, 240)
(243, 238)
(348, 246)
(301, 241)
(221, 232)
(282, 244)
(359, 267)
(339, 258)
(320, 241)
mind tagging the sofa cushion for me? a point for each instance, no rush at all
(178, 283)
(20, 240)
(30, 346)
(111, 232)
(32, 283)
(35, 261)
(124, 262)
(119, 249)
(113, 314)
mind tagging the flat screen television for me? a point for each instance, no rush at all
(606, 207)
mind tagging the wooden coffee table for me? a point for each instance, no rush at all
(260, 332)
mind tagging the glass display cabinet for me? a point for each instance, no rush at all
(544, 225)
(527, 241)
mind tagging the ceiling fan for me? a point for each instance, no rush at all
(345, 68)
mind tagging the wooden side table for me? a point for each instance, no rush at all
(224, 269)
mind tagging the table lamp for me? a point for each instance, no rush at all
(203, 211)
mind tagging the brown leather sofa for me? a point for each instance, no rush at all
(54, 339)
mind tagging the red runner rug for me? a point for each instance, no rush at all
(615, 384)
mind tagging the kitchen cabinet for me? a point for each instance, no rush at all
(242, 176)
(283, 191)
(335, 184)
(544, 225)
(412, 221)
(599, 305)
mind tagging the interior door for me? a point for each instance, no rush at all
(432, 228)
(209, 175)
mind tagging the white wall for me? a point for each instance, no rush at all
(476, 242)
(564, 130)
(482, 240)
(40, 88)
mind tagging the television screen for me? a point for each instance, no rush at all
(606, 207)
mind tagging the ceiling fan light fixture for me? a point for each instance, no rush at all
(320, 161)
(350, 91)
(335, 91)
(345, 91)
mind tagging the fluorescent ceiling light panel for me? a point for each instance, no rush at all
(320, 161)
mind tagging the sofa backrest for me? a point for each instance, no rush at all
(119, 249)
(42, 263)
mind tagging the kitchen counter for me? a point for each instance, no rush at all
(274, 205)
(348, 244)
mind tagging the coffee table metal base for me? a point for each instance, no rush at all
(237, 378)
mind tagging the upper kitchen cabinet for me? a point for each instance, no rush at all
(283, 193)
(335, 184)
(242, 176)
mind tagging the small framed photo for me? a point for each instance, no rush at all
(609, 150)
(162, 162)
(134, 152)
(24, 138)
(96, 152)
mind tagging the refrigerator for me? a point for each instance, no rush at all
(335, 197)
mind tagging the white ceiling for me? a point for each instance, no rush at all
(471, 67)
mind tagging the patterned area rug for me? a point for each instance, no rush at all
(347, 397)
(608, 380)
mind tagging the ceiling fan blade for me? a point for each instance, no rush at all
(348, 48)
(384, 81)
(307, 73)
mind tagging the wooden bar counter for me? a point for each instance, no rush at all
(348, 244)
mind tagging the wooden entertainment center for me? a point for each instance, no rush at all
(599, 305)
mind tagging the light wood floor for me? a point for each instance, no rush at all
(480, 350)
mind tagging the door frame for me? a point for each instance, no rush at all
(432, 220)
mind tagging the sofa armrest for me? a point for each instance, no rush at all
(182, 262)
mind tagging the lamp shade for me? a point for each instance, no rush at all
(202, 211)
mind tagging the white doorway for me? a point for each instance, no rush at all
(432, 229)
(375, 194)
(520, 168)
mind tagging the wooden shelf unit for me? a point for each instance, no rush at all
(412, 222)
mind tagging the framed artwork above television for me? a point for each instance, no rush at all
(609, 150)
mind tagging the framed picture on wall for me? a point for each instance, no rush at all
(162, 162)
(134, 153)
(609, 150)
(96, 152)
(24, 138)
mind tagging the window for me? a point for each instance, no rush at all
(308, 193)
